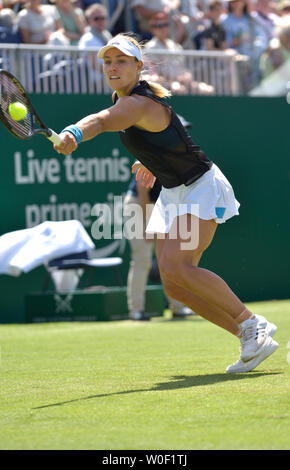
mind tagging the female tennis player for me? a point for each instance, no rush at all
(195, 195)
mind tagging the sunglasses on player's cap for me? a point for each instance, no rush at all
(125, 46)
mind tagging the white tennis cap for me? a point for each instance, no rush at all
(125, 46)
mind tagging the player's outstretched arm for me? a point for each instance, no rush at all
(125, 113)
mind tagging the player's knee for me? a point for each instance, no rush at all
(169, 288)
(169, 264)
(173, 267)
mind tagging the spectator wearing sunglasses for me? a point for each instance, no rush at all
(145, 10)
(97, 34)
(170, 70)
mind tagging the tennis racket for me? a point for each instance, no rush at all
(12, 91)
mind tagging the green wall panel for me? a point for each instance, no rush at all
(248, 138)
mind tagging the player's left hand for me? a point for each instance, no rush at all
(144, 176)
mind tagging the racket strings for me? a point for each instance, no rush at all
(10, 93)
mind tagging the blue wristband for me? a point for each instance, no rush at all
(75, 131)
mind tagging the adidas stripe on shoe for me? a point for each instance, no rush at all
(254, 333)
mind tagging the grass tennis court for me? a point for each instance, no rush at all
(155, 385)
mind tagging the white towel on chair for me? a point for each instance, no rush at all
(24, 250)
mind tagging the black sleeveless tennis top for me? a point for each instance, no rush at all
(170, 155)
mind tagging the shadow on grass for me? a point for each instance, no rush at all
(176, 382)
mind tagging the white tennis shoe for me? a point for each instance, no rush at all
(266, 347)
(254, 335)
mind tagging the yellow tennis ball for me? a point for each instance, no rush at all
(17, 111)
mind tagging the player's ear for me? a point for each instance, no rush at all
(139, 66)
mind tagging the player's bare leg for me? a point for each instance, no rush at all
(210, 296)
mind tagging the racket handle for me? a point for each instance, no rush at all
(54, 137)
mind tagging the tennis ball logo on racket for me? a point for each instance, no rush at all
(17, 111)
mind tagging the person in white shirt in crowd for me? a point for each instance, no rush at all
(269, 22)
(96, 34)
(36, 22)
(262, 12)
(278, 52)
(170, 70)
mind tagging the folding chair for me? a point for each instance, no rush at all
(77, 263)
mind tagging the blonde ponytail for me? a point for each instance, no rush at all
(159, 90)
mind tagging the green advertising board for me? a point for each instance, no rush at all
(248, 138)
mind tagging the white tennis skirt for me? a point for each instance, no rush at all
(210, 197)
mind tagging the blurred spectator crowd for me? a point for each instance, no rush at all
(257, 29)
